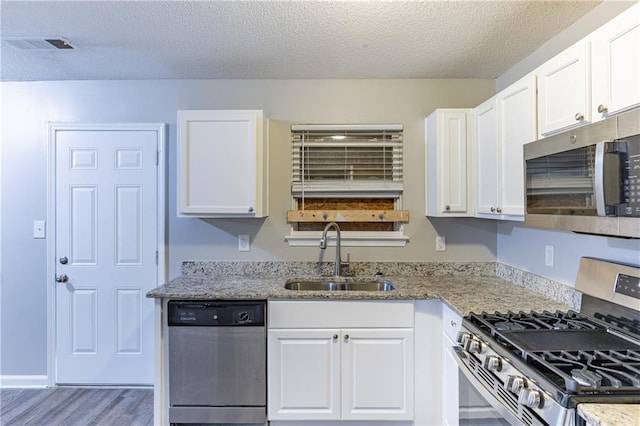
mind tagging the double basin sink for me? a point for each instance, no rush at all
(339, 284)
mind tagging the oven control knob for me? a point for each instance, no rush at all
(473, 346)
(492, 363)
(531, 398)
(515, 384)
(462, 338)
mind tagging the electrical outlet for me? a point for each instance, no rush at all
(243, 243)
(548, 256)
(441, 243)
(39, 229)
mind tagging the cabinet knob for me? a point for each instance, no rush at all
(346, 337)
(447, 207)
(335, 337)
(602, 108)
(493, 209)
(250, 209)
(453, 323)
(579, 116)
(499, 210)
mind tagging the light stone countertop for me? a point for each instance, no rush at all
(610, 414)
(463, 293)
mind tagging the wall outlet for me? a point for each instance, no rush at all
(244, 243)
(548, 256)
(441, 243)
(39, 229)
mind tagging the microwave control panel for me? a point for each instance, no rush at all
(631, 179)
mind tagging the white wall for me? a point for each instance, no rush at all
(29, 106)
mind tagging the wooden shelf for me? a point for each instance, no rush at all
(348, 216)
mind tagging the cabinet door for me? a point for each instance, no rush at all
(449, 163)
(304, 374)
(450, 402)
(517, 107)
(616, 65)
(377, 374)
(221, 163)
(565, 90)
(487, 158)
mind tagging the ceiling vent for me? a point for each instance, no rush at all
(37, 43)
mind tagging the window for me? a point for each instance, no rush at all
(351, 174)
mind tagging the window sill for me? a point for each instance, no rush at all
(349, 239)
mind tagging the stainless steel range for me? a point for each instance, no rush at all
(536, 367)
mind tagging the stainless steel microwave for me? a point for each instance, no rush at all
(586, 179)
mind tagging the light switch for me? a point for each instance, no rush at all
(39, 230)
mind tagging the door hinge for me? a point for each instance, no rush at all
(157, 255)
(157, 158)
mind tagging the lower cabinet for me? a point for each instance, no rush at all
(342, 373)
(450, 380)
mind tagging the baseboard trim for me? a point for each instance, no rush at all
(24, 381)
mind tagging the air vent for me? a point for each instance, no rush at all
(37, 43)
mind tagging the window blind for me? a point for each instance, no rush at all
(354, 160)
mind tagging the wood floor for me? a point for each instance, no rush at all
(76, 406)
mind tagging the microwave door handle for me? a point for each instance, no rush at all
(598, 184)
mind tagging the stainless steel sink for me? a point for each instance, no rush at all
(330, 284)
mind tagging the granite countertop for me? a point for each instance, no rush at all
(610, 414)
(463, 293)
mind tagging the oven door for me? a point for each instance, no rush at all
(477, 405)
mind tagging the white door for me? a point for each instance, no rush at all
(304, 374)
(487, 158)
(517, 106)
(377, 374)
(106, 242)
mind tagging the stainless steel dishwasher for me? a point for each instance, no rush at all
(217, 362)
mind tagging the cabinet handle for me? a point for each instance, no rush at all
(579, 116)
(447, 207)
(499, 210)
(602, 108)
(346, 337)
(335, 337)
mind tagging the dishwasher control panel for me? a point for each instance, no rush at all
(197, 313)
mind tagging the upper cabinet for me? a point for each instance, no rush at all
(504, 124)
(565, 90)
(595, 78)
(222, 163)
(615, 59)
(449, 161)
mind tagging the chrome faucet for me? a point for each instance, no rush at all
(339, 264)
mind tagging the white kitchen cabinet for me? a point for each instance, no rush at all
(615, 59)
(487, 162)
(222, 163)
(450, 400)
(449, 160)
(504, 124)
(564, 96)
(317, 371)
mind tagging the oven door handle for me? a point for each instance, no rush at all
(488, 396)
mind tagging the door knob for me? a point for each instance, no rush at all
(62, 278)
(64, 260)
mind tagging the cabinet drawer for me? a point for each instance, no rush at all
(451, 321)
(340, 314)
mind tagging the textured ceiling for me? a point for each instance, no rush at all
(279, 39)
